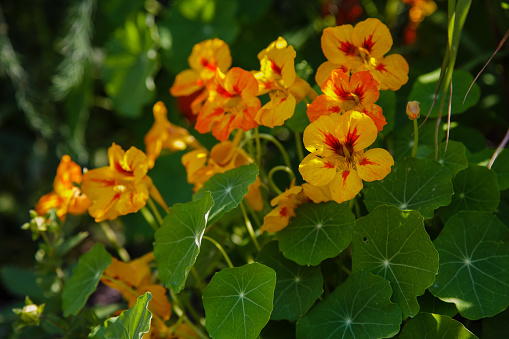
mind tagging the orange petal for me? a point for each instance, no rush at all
(254, 195)
(376, 114)
(301, 89)
(324, 71)
(365, 87)
(186, 83)
(375, 164)
(345, 185)
(274, 113)
(316, 171)
(322, 105)
(391, 72)
(373, 36)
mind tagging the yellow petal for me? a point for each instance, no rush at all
(373, 36)
(375, 164)
(277, 62)
(316, 171)
(355, 129)
(345, 185)
(286, 195)
(324, 71)
(317, 194)
(337, 44)
(274, 113)
(277, 219)
(186, 83)
(390, 72)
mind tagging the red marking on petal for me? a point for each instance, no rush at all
(283, 212)
(208, 64)
(335, 109)
(333, 143)
(351, 139)
(345, 175)
(381, 67)
(328, 165)
(341, 92)
(275, 67)
(223, 92)
(365, 162)
(368, 43)
(348, 48)
(121, 170)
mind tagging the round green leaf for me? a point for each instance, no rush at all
(238, 301)
(132, 323)
(404, 140)
(474, 264)
(387, 101)
(453, 158)
(394, 244)
(178, 241)
(500, 166)
(84, 279)
(423, 90)
(475, 189)
(317, 232)
(358, 308)
(431, 304)
(297, 287)
(228, 189)
(413, 184)
(427, 325)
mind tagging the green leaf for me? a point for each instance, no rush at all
(413, 184)
(387, 101)
(473, 140)
(238, 301)
(394, 244)
(500, 166)
(453, 158)
(423, 90)
(474, 264)
(475, 189)
(130, 63)
(178, 241)
(21, 283)
(358, 308)
(431, 304)
(132, 323)
(317, 232)
(228, 189)
(297, 287)
(427, 325)
(299, 120)
(63, 248)
(84, 279)
(404, 140)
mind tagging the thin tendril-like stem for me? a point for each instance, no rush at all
(112, 237)
(178, 307)
(272, 185)
(416, 138)
(298, 144)
(149, 218)
(221, 249)
(258, 148)
(153, 207)
(274, 141)
(499, 149)
(249, 227)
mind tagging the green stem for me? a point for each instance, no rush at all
(254, 216)
(270, 138)
(221, 249)
(149, 218)
(197, 277)
(416, 138)
(258, 148)
(113, 239)
(194, 328)
(156, 213)
(272, 185)
(249, 227)
(298, 144)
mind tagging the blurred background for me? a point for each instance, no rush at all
(76, 76)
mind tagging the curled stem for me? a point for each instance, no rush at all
(270, 138)
(221, 249)
(272, 185)
(249, 227)
(298, 144)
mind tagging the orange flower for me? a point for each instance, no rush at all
(232, 103)
(66, 196)
(122, 187)
(202, 165)
(337, 144)
(362, 48)
(278, 78)
(206, 57)
(342, 94)
(165, 135)
(135, 279)
(285, 203)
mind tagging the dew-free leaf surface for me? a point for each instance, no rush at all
(500, 166)
(427, 325)
(317, 232)
(130, 324)
(413, 184)
(394, 244)
(474, 264)
(238, 301)
(84, 279)
(297, 287)
(404, 140)
(228, 189)
(358, 308)
(453, 157)
(178, 241)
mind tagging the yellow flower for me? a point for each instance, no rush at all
(337, 144)
(278, 78)
(122, 187)
(165, 135)
(66, 196)
(285, 205)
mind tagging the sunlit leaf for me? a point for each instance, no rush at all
(431, 304)
(474, 264)
(84, 279)
(394, 244)
(413, 184)
(297, 287)
(178, 241)
(132, 323)
(358, 308)
(475, 189)
(427, 325)
(453, 158)
(317, 232)
(238, 301)
(228, 189)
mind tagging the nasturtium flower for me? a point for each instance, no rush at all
(201, 166)
(277, 77)
(342, 93)
(232, 103)
(413, 110)
(338, 158)
(135, 279)
(165, 135)
(362, 48)
(66, 196)
(121, 188)
(206, 58)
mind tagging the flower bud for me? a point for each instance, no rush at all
(413, 110)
